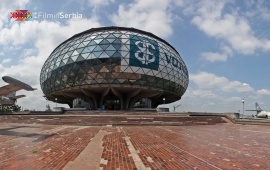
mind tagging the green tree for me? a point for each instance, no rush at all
(16, 108)
(13, 108)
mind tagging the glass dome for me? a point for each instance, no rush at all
(111, 62)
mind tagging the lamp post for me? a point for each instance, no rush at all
(56, 102)
(164, 102)
(243, 101)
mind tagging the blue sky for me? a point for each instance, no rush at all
(224, 43)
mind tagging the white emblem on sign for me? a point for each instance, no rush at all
(143, 54)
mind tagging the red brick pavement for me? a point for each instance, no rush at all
(116, 153)
(49, 153)
(227, 146)
(157, 153)
(221, 146)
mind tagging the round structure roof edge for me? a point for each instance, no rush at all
(119, 29)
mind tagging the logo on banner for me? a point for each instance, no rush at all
(175, 63)
(21, 15)
(144, 52)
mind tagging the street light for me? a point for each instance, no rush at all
(56, 101)
(243, 101)
(163, 102)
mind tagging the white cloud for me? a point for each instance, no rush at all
(227, 50)
(8, 6)
(179, 2)
(191, 93)
(213, 57)
(263, 92)
(209, 92)
(98, 3)
(233, 99)
(206, 80)
(43, 36)
(5, 61)
(264, 13)
(259, 9)
(232, 28)
(20, 33)
(28, 52)
(151, 15)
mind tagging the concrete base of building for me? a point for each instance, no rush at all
(127, 96)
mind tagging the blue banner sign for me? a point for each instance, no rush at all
(144, 52)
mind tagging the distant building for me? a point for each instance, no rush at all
(114, 68)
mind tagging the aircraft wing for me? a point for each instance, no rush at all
(16, 97)
(13, 86)
(5, 90)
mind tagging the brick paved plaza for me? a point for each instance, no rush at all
(219, 146)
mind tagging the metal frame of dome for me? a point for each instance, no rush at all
(91, 30)
(110, 63)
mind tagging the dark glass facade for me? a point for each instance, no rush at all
(114, 64)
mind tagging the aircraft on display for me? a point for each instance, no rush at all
(260, 113)
(8, 92)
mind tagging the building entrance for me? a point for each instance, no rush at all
(112, 105)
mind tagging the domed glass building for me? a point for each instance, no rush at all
(115, 68)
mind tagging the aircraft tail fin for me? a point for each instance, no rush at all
(12, 96)
(258, 108)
